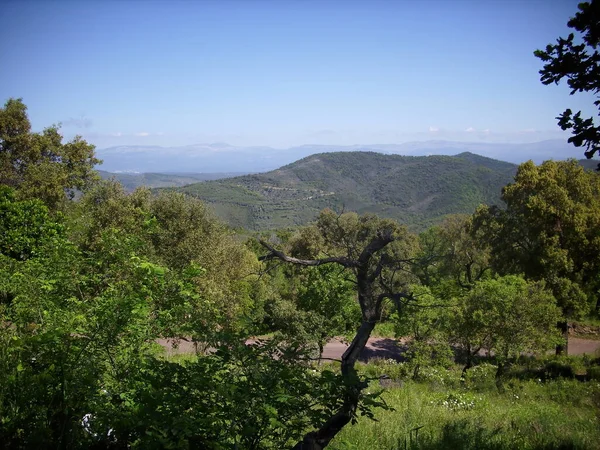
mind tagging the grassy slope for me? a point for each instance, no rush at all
(415, 190)
(559, 414)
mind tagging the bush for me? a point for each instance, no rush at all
(593, 373)
(388, 368)
(481, 377)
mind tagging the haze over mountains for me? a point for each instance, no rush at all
(416, 182)
(130, 181)
(220, 157)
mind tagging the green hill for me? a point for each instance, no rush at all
(589, 164)
(416, 190)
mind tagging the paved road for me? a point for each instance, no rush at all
(391, 348)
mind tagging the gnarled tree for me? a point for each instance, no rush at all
(378, 254)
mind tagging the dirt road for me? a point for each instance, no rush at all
(391, 348)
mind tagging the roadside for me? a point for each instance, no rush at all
(584, 331)
(386, 348)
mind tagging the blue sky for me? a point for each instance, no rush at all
(284, 73)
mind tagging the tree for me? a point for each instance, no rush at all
(452, 251)
(578, 61)
(550, 230)
(74, 323)
(40, 165)
(25, 226)
(378, 254)
(79, 363)
(508, 316)
(424, 321)
(175, 231)
(328, 295)
(315, 305)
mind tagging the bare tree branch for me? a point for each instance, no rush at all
(277, 254)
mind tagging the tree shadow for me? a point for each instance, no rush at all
(384, 349)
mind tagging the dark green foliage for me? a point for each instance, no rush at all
(178, 232)
(550, 230)
(422, 321)
(25, 226)
(249, 397)
(413, 190)
(311, 305)
(79, 366)
(87, 302)
(577, 60)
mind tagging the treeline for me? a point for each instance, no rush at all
(88, 287)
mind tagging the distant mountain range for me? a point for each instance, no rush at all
(130, 181)
(219, 157)
(416, 190)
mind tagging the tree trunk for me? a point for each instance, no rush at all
(416, 371)
(319, 439)
(500, 377)
(563, 348)
(468, 365)
(321, 347)
(370, 306)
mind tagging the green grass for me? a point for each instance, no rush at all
(593, 321)
(561, 414)
(179, 358)
(384, 330)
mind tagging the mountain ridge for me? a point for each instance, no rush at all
(131, 181)
(417, 190)
(222, 157)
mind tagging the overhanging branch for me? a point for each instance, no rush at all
(277, 254)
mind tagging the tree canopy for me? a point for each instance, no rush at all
(506, 316)
(550, 230)
(40, 165)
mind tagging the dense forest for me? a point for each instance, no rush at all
(139, 319)
(98, 285)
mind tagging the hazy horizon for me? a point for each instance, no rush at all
(222, 157)
(288, 73)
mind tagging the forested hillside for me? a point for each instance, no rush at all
(98, 290)
(350, 300)
(416, 190)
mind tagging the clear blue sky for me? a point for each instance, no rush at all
(283, 72)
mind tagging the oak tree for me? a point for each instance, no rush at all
(550, 230)
(377, 254)
(40, 165)
(508, 316)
